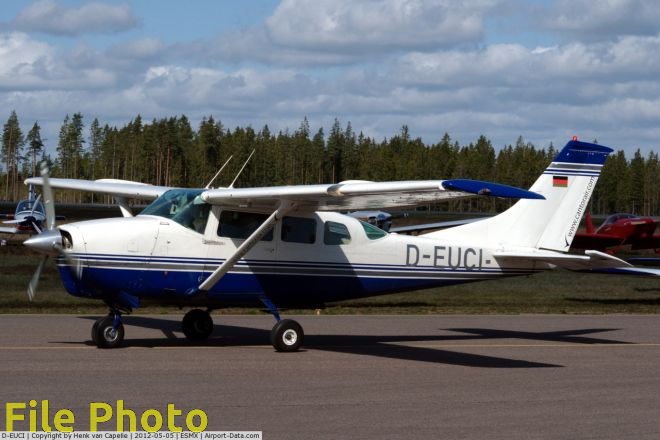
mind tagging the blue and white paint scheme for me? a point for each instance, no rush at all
(287, 246)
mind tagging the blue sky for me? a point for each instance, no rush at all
(544, 70)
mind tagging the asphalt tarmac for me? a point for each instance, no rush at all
(367, 377)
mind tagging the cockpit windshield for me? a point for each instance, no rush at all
(27, 205)
(184, 206)
(616, 217)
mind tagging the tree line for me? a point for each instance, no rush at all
(170, 152)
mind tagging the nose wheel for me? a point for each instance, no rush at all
(108, 332)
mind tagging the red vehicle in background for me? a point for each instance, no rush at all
(617, 231)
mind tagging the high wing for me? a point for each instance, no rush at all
(354, 195)
(329, 197)
(113, 187)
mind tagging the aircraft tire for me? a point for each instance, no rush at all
(197, 325)
(94, 329)
(106, 335)
(287, 336)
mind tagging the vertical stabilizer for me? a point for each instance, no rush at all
(567, 185)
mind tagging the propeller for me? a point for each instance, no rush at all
(48, 241)
(32, 219)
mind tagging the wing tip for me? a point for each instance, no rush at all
(490, 189)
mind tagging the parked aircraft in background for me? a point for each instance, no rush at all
(28, 218)
(618, 231)
(285, 247)
(383, 220)
(380, 219)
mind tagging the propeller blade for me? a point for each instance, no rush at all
(75, 266)
(36, 227)
(48, 198)
(34, 204)
(34, 282)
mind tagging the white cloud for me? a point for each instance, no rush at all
(515, 66)
(379, 68)
(27, 64)
(18, 52)
(608, 18)
(145, 48)
(342, 32)
(50, 17)
(340, 25)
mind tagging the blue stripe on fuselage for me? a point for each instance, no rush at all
(305, 288)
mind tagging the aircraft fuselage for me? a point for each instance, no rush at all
(307, 260)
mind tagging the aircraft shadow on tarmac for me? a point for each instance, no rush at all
(618, 301)
(387, 346)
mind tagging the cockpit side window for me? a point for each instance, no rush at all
(194, 215)
(335, 233)
(299, 230)
(373, 232)
(240, 225)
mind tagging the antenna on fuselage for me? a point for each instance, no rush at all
(242, 168)
(208, 185)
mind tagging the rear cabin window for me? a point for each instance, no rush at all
(299, 230)
(336, 233)
(240, 225)
(373, 233)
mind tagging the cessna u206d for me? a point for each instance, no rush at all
(286, 246)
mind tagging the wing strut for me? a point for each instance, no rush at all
(285, 207)
(124, 207)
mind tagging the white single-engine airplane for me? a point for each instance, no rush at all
(285, 247)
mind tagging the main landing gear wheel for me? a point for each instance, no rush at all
(197, 325)
(287, 335)
(105, 335)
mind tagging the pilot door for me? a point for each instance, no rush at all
(177, 260)
(226, 232)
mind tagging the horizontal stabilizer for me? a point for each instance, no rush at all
(591, 260)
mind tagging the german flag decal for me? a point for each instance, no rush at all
(560, 181)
